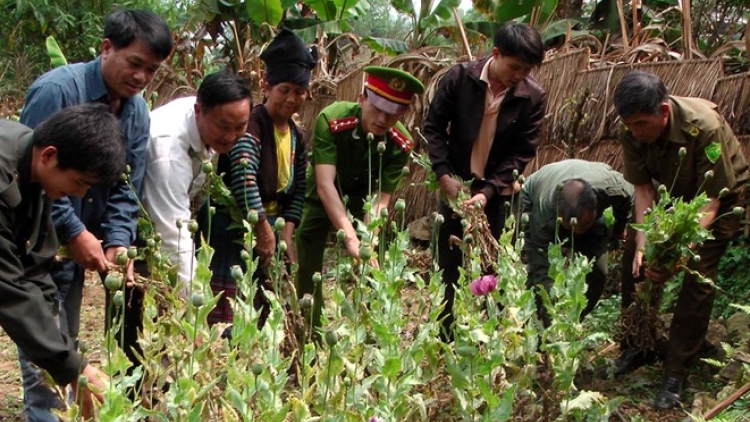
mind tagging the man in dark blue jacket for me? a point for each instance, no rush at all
(103, 223)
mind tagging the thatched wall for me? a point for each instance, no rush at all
(555, 76)
(694, 78)
(732, 95)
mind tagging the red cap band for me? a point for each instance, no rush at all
(394, 90)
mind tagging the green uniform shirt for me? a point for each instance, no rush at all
(537, 197)
(710, 144)
(338, 139)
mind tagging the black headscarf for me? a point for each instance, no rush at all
(288, 59)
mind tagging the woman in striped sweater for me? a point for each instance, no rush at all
(265, 172)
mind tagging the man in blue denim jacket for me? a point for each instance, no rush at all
(103, 223)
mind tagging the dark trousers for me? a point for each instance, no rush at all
(450, 257)
(593, 245)
(692, 311)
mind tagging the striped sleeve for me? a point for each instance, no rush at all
(294, 212)
(244, 185)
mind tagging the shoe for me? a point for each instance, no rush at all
(227, 333)
(711, 351)
(670, 395)
(632, 359)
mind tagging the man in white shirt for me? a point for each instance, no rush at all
(185, 134)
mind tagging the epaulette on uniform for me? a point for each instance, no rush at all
(401, 139)
(342, 124)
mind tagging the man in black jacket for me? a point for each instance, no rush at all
(483, 124)
(76, 148)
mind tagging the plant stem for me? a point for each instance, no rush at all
(328, 380)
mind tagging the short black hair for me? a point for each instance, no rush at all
(640, 92)
(575, 198)
(88, 140)
(221, 88)
(122, 27)
(515, 39)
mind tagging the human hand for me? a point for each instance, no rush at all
(265, 243)
(479, 198)
(351, 245)
(111, 254)
(637, 263)
(287, 235)
(449, 186)
(85, 394)
(86, 251)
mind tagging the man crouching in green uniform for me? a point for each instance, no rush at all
(574, 189)
(346, 165)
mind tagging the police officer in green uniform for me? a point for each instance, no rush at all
(574, 189)
(345, 164)
(657, 125)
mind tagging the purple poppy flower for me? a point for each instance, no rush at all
(483, 285)
(375, 419)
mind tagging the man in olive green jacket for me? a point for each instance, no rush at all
(76, 148)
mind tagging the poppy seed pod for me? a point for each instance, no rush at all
(331, 338)
(197, 299)
(118, 299)
(236, 272)
(113, 281)
(253, 217)
(307, 301)
(365, 252)
(122, 258)
(400, 205)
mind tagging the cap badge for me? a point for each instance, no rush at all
(397, 84)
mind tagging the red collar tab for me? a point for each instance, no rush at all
(401, 139)
(342, 124)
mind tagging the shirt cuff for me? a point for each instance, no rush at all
(71, 230)
(68, 371)
(440, 170)
(117, 238)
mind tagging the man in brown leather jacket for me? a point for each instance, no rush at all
(483, 124)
